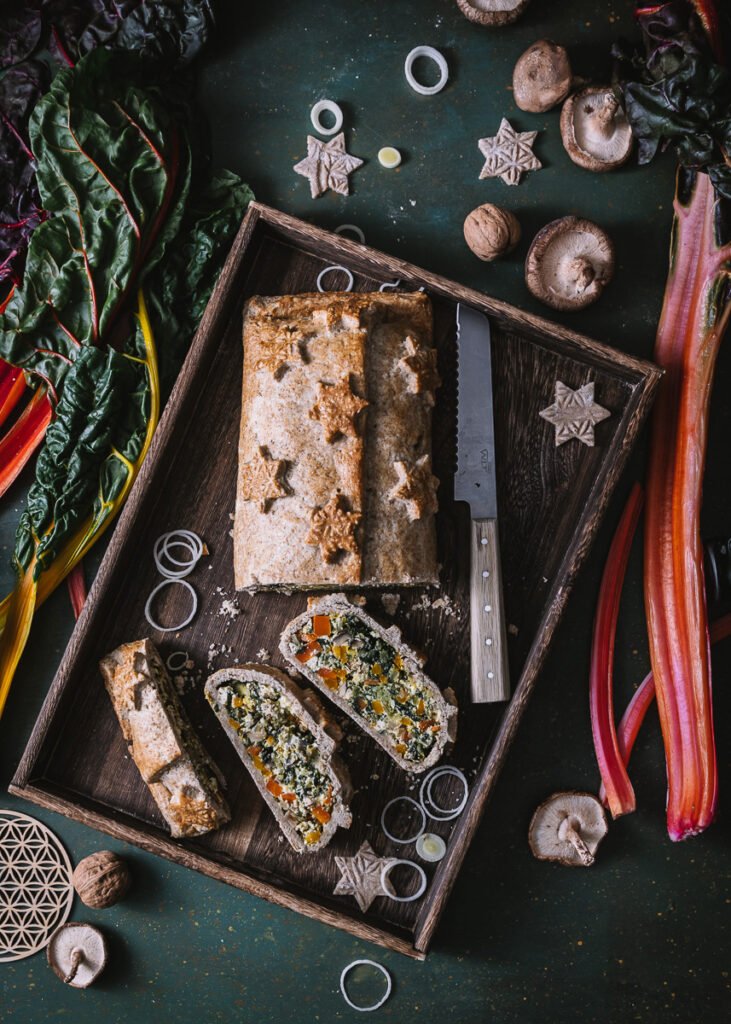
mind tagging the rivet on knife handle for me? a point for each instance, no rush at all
(489, 651)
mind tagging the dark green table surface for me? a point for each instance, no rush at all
(639, 937)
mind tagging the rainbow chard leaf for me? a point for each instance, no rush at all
(113, 173)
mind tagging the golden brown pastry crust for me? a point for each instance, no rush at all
(337, 395)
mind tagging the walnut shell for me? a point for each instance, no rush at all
(101, 880)
(491, 231)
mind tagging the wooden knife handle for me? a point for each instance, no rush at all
(490, 676)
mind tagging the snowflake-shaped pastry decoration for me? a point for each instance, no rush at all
(262, 479)
(574, 414)
(420, 366)
(336, 409)
(36, 892)
(360, 876)
(282, 351)
(332, 527)
(327, 165)
(509, 154)
(417, 486)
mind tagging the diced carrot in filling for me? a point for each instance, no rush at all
(312, 837)
(254, 751)
(289, 797)
(378, 707)
(321, 815)
(312, 648)
(329, 677)
(400, 748)
(321, 625)
(420, 707)
(274, 788)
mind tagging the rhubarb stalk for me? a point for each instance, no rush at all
(619, 793)
(642, 699)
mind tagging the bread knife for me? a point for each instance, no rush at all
(475, 483)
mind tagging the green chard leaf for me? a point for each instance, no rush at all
(113, 173)
(102, 410)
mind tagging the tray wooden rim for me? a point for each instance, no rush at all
(641, 375)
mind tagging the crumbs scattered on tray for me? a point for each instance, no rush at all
(390, 603)
(229, 608)
(263, 654)
(215, 651)
(187, 676)
(425, 604)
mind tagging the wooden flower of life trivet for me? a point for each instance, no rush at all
(35, 885)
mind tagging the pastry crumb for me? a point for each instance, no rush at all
(263, 654)
(390, 603)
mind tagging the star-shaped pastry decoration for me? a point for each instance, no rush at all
(327, 165)
(360, 876)
(417, 486)
(262, 479)
(332, 527)
(282, 351)
(332, 319)
(509, 154)
(574, 414)
(336, 409)
(420, 365)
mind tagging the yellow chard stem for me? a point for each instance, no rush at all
(18, 608)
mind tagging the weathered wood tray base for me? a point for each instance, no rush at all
(551, 500)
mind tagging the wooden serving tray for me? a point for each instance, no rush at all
(551, 500)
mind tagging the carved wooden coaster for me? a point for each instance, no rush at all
(36, 893)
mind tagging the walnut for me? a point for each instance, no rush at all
(101, 880)
(491, 231)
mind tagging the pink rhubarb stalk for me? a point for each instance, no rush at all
(694, 316)
(620, 794)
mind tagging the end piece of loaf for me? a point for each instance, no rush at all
(374, 677)
(183, 780)
(288, 745)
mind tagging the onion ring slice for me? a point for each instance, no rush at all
(328, 270)
(334, 110)
(387, 868)
(177, 665)
(153, 594)
(351, 227)
(439, 60)
(384, 997)
(420, 809)
(425, 795)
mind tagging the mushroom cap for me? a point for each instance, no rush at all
(492, 12)
(595, 132)
(65, 941)
(547, 834)
(569, 263)
(541, 77)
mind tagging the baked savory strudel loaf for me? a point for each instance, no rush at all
(183, 780)
(288, 745)
(335, 485)
(371, 674)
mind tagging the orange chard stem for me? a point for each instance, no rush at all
(619, 792)
(25, 435)
(12, 389)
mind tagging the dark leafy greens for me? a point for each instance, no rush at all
(115, 176)
(677, 94)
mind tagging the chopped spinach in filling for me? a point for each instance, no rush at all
(368, 673)
(283, 751)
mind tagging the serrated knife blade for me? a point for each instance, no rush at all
(475, 482)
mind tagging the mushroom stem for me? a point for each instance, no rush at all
(77, 958)
(568, 832)
(582, 272)
(601, 123)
